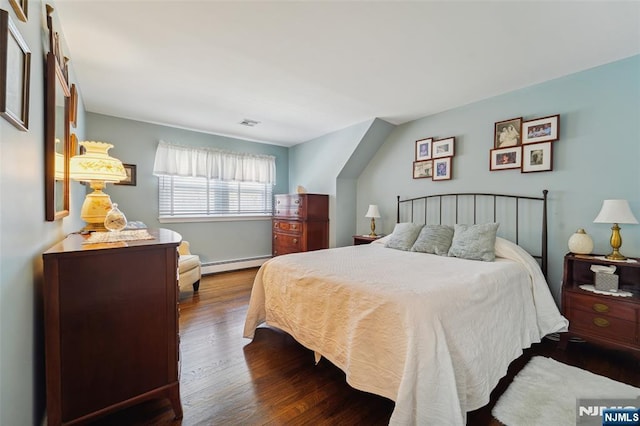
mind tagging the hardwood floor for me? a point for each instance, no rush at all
(228, 380)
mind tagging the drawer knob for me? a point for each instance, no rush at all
(275, 237)
(601, 322)
(600, 307)
(295, 240)
(297, 201)
(294, 226)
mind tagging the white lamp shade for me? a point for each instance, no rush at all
(615, 211)
(373, 211)
(96, 164)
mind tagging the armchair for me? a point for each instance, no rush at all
(189, 267)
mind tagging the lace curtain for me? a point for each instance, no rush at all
(210, 163)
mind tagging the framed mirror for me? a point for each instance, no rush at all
(56, 151)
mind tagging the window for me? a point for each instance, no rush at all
(197, 197)
(201, 183)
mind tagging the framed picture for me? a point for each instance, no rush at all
(505, 158)
(442, 148)
(544, 129)
(131, 175)
(15, 69)
(508, 133)
(423, 169)
(537, 157)
(73, 106)
(442, 168)
(20, 8)
(423, 149)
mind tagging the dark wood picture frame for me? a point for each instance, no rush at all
(545, 129)
(15, 72)
(20, 8)
(56, 143)
(442, 168)
(73, 106)
(443, 147)
(423, 169)
(537, 157)
(131, 175)
(423, 149)
(507, 133)
(505, 158)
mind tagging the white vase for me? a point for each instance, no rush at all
(580, 242)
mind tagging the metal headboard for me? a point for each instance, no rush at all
(411, 202)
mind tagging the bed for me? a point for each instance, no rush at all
(433, 333)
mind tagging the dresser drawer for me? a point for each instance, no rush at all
(602, 325)
(286, 241)
(292, 212)
(601, 306)
(291, 227)
(285, 244)
(289, 201)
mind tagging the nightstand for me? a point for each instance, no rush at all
(608, 320)
(364, 239)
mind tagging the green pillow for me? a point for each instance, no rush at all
(403, 236)
(434, 239)
(474, 242)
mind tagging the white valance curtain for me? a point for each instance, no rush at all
(210, 163)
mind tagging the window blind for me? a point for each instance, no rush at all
(193, 197)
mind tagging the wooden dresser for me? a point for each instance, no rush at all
(300, 223)
(111, 325)
(612, 321)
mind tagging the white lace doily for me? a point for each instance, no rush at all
(115, 236)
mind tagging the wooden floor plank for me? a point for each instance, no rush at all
(272, 380)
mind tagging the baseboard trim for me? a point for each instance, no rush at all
(233, 265)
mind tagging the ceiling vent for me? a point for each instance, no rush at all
(249, 123)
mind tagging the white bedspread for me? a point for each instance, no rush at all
(434, 334)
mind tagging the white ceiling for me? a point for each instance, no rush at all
(304, 69)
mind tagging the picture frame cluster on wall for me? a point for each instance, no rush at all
(525, 145)
(433, 158)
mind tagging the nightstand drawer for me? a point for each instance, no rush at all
(602, 325)
(602, 306)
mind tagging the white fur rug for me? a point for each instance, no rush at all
(545, 393)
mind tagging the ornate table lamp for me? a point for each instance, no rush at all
(615, 211)
(96, 167)
(373, 213)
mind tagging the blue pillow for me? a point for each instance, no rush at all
(474, 242)
(403, 236)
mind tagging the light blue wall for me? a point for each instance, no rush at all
(135, 142)
(596, 157)
(329, 165)
(24, 236)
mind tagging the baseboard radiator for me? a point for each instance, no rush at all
(233, 264)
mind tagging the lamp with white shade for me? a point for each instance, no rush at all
(373, 213)
(98, 168)
(615, 211)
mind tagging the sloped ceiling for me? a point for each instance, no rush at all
(304, 69)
